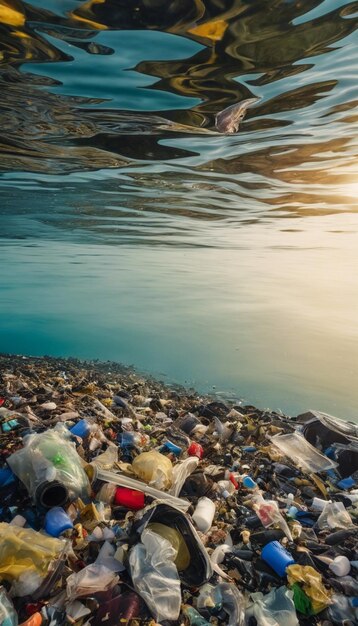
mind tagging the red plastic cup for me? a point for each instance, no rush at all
(130, 498)
(195, 449)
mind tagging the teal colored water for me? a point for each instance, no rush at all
(131, 230)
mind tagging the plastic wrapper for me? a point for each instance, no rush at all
(155, 576)
(154, 468)
(26, 556)
(90, 580)
(181, 471)
(269, 514)
(8, 615)
(50, 457)
(335, 516)
(305, 456)
(274, 609)
(229, 597)
(312, 585)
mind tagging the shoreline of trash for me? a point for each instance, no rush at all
(128, 501)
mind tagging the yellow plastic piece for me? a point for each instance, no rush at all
(311, 584)
(154, 468)
(25, 550)
(182, 559)
(213, 30)
(10, 15)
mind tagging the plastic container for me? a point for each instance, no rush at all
(130, 498)
(195, 449)
(204, 514)
(81, 429)
(57, 521)
(275, 555)
(248, 482)
(340, 566)
(169, 446)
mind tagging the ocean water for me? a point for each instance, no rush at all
(132, 230)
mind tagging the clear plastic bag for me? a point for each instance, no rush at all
(335, 515)
(269, 514)
(229, 597)
(154, 468)
(90, 580)
(50, 457)
(181, 471)
(305, 456)
(274, 609)
(155, 576)
(8, 615)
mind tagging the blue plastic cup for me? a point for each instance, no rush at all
(81, 429)
(57, 521)
(277, 557)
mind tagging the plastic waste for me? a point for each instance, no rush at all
(204, 514)
(121, 496)
(312, 585)
(131, 483)
(155, 576)
(227, 596)
(340, 566)
(343, 610)
(27, 556)
(195, 449)
(295, 446)
(273, 609)
(175, 538)
(275, 555)
(181, 471)
(57, 521)
(269, 514)
(199, 569)
(8, 615)
(90, 580)
(334, 515)
(193, 616)
(50, 468)
(154, 468)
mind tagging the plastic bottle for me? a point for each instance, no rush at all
(121, 496)
(204, 514)
(275, 555)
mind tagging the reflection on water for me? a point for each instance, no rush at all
(108, 138)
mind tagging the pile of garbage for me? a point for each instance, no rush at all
(126, 502)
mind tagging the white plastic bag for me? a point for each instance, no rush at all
(89, 580)
(155, 577)
(274, 609)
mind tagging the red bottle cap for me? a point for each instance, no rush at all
(130, 498)
(195, 449)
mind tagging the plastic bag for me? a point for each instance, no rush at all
(181, 471)
(90, 580)
(229, 597)
(269, 514)
(155, 576)
(50, 459)
(26, 555)
(311, 584)
(175, 538)
(334, 515)
(305, 456)
(274, 609)
(154, 468)
(8, 615)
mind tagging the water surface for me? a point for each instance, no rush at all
(132, 231)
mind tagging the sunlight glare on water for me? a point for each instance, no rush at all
(132, 230)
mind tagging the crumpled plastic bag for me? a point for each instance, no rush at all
(90, 580)
(154, 468)
(273, 609)
(334, 515)
(311, 584)
(50, 456)
(8, 615)
(229, 597)
(181, 471)
(26, 555)
(305, 456)
(155, 576)
(269, 514)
